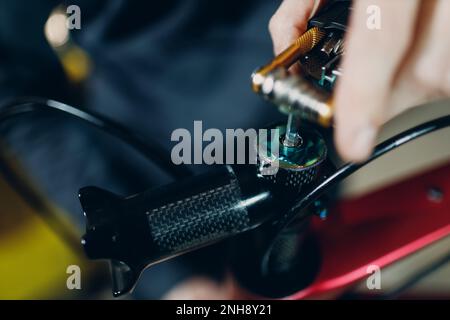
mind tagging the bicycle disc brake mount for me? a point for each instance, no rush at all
(144, 229)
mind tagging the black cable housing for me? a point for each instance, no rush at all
(151, 150)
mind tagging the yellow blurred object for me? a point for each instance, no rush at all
(34, 262)
(33, 256)
(74, 60)
(76, 63)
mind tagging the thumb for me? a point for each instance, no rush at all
(370, 65)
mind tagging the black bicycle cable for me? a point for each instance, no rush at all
(147, 148)
(151, 150)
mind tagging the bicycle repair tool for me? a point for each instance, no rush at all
(138, 231)
(317, 52)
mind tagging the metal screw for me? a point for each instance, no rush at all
(435, 194)
(320, 210)
(292, 138)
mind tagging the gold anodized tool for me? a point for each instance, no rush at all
(293, 93)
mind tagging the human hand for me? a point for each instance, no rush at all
(201, 288)
(403, 64)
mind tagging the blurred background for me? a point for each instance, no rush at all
(153, 66)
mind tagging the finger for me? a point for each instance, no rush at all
(290, 21)
(370, 64)
(410, 88)
(432, 70)
(199, 288)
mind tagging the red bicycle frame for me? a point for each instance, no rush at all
(379, 228)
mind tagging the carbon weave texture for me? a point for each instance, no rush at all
(292, 179)
(199, 218)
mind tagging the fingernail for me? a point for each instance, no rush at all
(363, 142)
